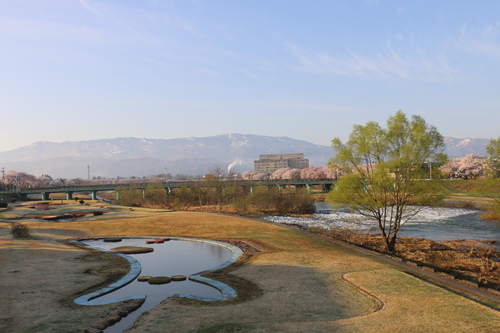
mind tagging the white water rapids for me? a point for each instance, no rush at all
(432, 223)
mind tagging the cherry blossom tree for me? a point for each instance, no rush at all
(79, 181)
(253, 175)
(292, 174)
(20, 179)
(280, 173)
(44, 180)
(313, 173)
(331, 173)
(468, 167)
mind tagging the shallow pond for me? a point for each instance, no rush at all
(432, 223)
(174, 257)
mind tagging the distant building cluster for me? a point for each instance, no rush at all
(272, 162)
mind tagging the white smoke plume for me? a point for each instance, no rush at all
(237, 161)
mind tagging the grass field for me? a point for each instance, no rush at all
(300, 283)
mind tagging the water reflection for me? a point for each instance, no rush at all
(175, 257)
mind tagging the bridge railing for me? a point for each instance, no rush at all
(165, 184)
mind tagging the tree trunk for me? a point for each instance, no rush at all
(390, 244)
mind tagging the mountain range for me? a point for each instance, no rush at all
(126, 157)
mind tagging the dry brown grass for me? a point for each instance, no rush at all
(299, 279)
(40, 277)
(466, 260)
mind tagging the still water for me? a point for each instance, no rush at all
(432, 223)
(175, 257)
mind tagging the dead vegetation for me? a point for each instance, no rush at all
(474, 261)
(19, 230)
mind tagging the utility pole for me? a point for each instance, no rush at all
(88, 171)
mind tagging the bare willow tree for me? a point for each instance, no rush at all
(384, 171)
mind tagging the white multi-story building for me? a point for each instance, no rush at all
(272, 162)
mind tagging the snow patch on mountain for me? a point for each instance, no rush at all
(464, 143)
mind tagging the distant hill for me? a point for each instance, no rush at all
(461, 147)
(139, 157)
(127, 157)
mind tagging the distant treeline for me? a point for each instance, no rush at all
(212, 194)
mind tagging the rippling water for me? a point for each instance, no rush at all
(431, 223)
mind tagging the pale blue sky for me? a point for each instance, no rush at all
(91, 69)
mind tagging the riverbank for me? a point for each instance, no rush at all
(298, 282)
(464, 201)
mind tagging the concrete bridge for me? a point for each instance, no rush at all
(46, 191)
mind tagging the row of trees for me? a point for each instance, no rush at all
(314, 172)
(469, 167)
(474, 166)
(20, 180)
(211, 193)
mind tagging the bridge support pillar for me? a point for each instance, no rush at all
(94, 195)
(298, 187)
(45, 196)
(326, 188)
(69, 195)
(117, 195)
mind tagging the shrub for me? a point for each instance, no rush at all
(20, 230)
(241, 206)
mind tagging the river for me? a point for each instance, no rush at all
(435, 223)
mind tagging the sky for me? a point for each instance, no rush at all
(73, 70)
